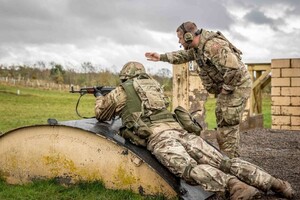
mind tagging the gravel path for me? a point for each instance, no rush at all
(276, 151)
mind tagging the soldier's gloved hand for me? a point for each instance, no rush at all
(127, 134)
(97, 93)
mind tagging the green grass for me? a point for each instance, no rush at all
(35, 106)
(266, 110)
(210, 117)
(50, 190)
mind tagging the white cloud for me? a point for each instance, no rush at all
(110, 33)
(291, 25)
(277, 10)
(237, 11)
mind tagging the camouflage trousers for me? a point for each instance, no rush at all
(193, 159)
(229, 110)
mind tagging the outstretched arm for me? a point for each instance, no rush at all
(175, 57)
(152, 56)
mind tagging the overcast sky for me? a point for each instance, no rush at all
(108, 33)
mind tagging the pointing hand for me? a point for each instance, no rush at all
(152, 56)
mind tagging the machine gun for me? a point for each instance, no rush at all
(96, 91)
(103, 90)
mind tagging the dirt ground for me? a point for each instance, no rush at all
(276, 151)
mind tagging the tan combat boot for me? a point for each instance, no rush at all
(241, 191)
(283, 188)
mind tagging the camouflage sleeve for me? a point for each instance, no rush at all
(110, 105)
(226, 60)
(178, 57)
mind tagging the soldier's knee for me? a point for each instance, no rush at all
(187, 174)
(230, 165)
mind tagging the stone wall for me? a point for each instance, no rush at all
(285, 94)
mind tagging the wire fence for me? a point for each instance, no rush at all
(35, 83)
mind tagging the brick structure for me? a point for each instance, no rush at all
(285, 94)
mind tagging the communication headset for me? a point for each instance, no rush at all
(189, 36)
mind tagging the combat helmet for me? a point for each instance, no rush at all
(130, 70)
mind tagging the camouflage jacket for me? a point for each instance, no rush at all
(115, 103)
(140, 97)
(219, 62)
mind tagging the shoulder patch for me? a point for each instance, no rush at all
(213, 47)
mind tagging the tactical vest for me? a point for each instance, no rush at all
(146, 103)
(211, 76)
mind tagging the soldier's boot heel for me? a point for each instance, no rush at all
(241, 191)
(283, 188)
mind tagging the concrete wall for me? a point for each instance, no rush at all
(285, 94)
(188, 91)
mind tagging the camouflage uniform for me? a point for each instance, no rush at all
(220, 67)
(184, 154)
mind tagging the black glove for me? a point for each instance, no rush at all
(97, 93)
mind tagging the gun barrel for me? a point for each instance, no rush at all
(91, 90)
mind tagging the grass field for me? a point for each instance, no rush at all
(50, 190)
(35, 106)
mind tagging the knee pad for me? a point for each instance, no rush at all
(225, 165)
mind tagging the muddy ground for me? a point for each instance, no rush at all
(276, 151)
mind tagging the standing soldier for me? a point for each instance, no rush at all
(146, 121)
(222, 73)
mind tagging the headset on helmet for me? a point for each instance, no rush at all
(131, 69)
(187, 35)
